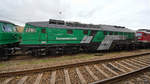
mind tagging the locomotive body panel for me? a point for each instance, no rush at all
(47, 35)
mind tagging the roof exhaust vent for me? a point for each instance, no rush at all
(53, 21)
(119, 27)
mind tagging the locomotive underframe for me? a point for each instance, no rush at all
(53, 49)
(7, 50)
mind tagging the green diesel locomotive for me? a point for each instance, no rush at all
(47, 37)
(9, 38)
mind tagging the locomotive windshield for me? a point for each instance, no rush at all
(15, 29)
(7, 28)
(139, 34)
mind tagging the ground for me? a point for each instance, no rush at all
(28, 62)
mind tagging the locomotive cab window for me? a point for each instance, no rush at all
(144, 34)
(69, 31)
(85, 32)
(138, 34)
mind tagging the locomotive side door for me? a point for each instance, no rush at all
(43, 35)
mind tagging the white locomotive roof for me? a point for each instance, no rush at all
(99, 27)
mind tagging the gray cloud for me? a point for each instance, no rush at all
(130, 13)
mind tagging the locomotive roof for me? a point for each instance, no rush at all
(147, 30)
(99, 27)
(144, 30)
(6, 22)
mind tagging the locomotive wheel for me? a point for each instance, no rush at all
(55, 51)
(35, 52)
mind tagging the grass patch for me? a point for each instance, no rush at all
(62, 58)
(35, 61)
(1, 65)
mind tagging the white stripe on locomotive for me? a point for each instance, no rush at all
(86, 39)
(108, 40)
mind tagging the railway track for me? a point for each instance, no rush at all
(141, 76)
(128, 78)
(97, 71)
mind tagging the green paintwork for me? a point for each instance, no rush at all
(8, 37)
(60, 36)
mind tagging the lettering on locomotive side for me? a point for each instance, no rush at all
(58, 38)
(43, 42)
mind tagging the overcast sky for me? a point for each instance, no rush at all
(133, 14)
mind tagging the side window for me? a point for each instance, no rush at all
(30, 30)
(69, 31)
(33, 30)
(111, 33)
(105, 33)
(43, 30)
(85, 32)
(93, 32)
(27, 29)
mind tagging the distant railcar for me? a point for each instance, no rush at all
(143, 37)
(9, 38)
(41, 38)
